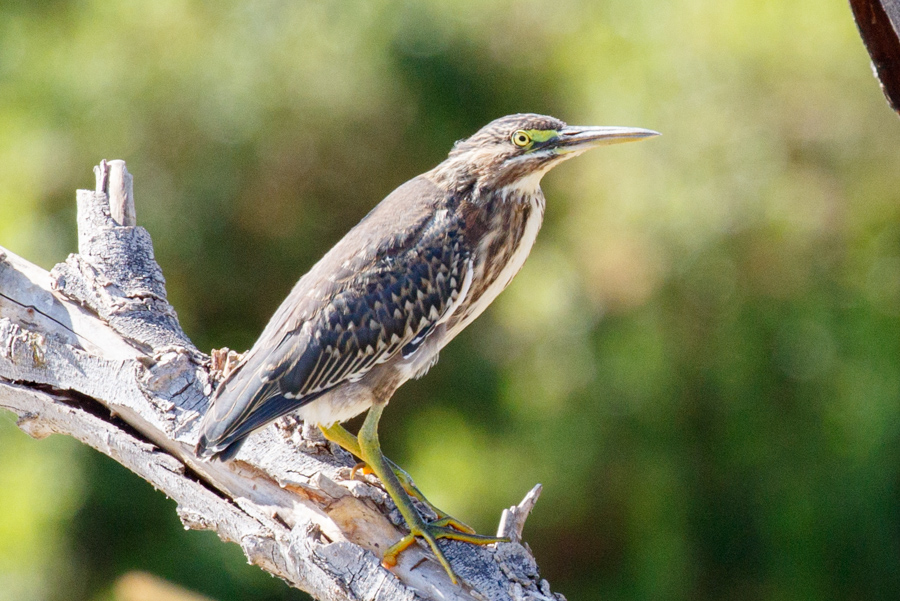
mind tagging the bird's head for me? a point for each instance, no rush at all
(517, 150)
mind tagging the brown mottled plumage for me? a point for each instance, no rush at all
(376, 310)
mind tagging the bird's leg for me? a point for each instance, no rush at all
(338, 434)
(370, 452)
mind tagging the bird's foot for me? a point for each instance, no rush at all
(412, 490)
(431, 531)
(390, 476)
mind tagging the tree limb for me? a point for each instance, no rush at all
(878, 22)
(94, 350)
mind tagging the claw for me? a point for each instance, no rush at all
(443, 528)
(412, 490)
(360, 467)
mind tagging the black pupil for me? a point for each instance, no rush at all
(522, 139)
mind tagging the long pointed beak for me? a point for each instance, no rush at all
(576, 138)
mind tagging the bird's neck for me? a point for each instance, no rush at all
(463, 180)
(503, 226)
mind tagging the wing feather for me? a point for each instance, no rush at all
(390, 309)
(359, 307)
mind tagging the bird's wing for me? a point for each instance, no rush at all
(353, 311)
(386, 309)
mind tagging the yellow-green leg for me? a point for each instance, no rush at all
(338, 434)
(370, 452)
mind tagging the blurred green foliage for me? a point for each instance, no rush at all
(700, 362)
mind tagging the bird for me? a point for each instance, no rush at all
(377, 309)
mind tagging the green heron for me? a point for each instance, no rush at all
(376, 310)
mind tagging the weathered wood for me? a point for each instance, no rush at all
(96, 338)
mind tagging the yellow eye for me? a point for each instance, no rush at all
(521, 138)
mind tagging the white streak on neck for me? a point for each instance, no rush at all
(526, 242)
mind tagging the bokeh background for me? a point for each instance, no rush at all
(700, 361)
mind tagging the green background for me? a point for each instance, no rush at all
(700, 361)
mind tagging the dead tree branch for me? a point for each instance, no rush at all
(93, 350)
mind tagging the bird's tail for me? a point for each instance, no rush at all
(207, 450)
(242, 403)
(222, 430)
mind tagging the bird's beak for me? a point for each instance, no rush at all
(577, 139)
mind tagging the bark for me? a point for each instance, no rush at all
(93, 350)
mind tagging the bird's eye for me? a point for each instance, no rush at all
(521, 138)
